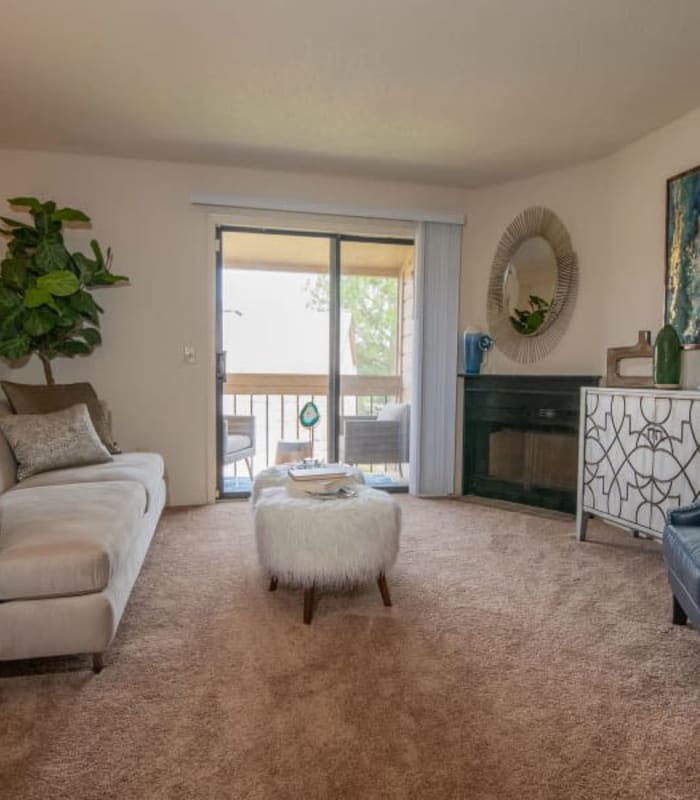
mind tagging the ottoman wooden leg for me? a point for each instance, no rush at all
(384, 589)
(273, 584)
(308, 605)
(679, 616)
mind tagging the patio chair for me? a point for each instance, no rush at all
(377, 440)
(238, 440)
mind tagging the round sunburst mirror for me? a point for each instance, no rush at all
(533, 284)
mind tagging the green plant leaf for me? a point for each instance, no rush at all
(70, 215)
(104, 278)
(11, 322)
(23, 238)
(14, 272)
(84, 303)
(27, 202)
(69, 318)
(41, 223)
(15, 223)
(50, 256)
(35, 296)
(74, 347)
(60, 282)
(9, 299)
(16, 347)
(85, 267)
(39, 321)
(91, 335)
(100, 260)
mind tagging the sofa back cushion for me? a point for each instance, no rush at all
(8, 466)
(29, 398)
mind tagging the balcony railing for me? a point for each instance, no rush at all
(275, 401)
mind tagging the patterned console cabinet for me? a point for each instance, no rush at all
(639, 456)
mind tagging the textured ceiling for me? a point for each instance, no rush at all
(455, 92)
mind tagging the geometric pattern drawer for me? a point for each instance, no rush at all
(640, 455)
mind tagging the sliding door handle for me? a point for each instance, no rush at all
(221, 367)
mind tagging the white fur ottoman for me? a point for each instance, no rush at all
(327, 543)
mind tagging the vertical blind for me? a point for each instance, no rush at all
(438, 257)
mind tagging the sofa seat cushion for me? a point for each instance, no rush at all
(66, 540)
(144, 468)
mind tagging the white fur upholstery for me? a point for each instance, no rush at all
(332, 543)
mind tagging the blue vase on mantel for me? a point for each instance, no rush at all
(475, 345)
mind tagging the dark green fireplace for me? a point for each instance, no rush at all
(521, 438)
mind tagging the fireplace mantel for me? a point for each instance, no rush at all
(521, 438)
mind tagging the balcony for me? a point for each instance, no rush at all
(275, 401)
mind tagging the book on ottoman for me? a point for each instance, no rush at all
(324, 472)
(327, 480)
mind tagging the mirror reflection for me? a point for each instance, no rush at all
(529, 285)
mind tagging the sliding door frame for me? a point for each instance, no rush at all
(335, 241)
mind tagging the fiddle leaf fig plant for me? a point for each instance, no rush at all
(46, 306)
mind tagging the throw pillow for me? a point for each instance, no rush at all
(41, 442)
(29, 398)
(393, 412)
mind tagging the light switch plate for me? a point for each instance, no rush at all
(190, 354)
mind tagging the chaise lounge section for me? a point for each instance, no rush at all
(72, 543)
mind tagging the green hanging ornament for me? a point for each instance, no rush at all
(309, 415)
(667, 359)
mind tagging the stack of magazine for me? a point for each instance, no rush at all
(327, 481)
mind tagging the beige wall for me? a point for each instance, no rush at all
(162, 242)
(614, 210)
(580, 198)
(638, 211)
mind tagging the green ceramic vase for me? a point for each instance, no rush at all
(667, 359)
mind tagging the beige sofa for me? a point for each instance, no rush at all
(72, 542)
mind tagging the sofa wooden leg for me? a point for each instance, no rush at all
(679, 616)
(384, 589)
(308, 605)
(98, 663)
(273, 584)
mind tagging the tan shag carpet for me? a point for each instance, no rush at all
(514, 664)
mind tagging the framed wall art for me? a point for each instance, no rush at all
(683, 256)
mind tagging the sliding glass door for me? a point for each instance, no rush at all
(376, 324)
(312, 319)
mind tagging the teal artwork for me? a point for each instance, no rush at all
(683, 256)
(309, 416)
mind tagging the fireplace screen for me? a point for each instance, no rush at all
(521, 438)
(533, 458)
